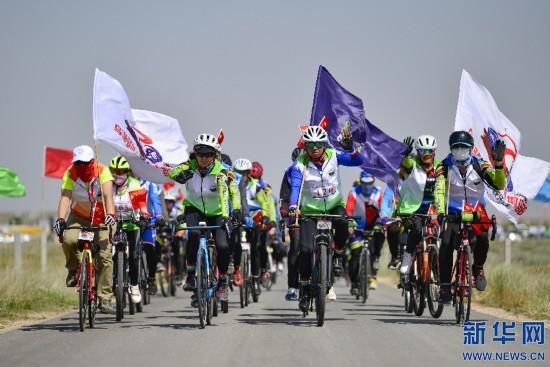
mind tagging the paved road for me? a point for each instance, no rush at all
(269, 333)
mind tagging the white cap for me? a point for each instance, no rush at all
(83, 153)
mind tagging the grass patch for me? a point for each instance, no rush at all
(523, 287)
(30, 294)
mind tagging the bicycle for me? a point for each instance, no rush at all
(365, 265)
(462, 275)
(205, 272)
(423, 279)
(322, 277)
(86, 273)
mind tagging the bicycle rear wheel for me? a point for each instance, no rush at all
(83, 291)
(432, 287)
(320, 277)
(144, 278)
(119, 286)
(202, 288)
(468, 288)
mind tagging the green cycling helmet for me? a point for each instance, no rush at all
(119, 163)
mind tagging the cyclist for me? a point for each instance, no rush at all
(315, 188)
(173, 210)
(149, 235)
(127, 190)
(259, 203)
(364, 203)
(293, 232)
(417, 190)
(260, 256)
(80, 190)
(237, 217)
(466, 177)
(207, 199)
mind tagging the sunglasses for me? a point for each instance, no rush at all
(117, 171)
(316, 144)
(205, 155)
(425, 151)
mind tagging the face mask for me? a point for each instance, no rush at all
(366, 189)
(85, 172)
(120, 179)
(461, 154)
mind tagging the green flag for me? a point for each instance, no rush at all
(10, 185)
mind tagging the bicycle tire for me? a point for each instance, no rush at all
(92, 309)
(202, 289)
(83, 292)
(212, 291)
(119, 287)
(418, 287)
(409, 298)
(469, 258)
(363, 276)
(242, 287)
(320, 268)
(432, 287)
(145, 295)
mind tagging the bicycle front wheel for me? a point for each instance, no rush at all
(119, 286)
(417, 286)
(202, 288)
(364, 275)
(83, 291)
(144, 277)
(320, 283)
(432, 287)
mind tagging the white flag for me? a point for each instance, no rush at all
(478, 113)
(152, 142)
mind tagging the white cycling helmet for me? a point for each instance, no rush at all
(425, 142)
(242, 164)
(205, 141)
(315, 134)
(170, 195)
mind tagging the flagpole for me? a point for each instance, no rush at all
(98, 177)
(41, 219)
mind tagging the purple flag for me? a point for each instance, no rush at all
(381, 153)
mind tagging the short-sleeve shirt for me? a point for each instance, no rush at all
(84, 193)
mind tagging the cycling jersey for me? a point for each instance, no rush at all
(469, 188)
(364, 209)
(417, 188)
(259, 199)
(321, 191)
(209, 194)
(126, 202)
(84, 193)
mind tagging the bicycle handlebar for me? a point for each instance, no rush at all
(472, 218)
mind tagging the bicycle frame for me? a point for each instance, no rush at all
(206, 242)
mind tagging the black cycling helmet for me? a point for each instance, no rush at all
(226, 159)
(295, 153)
(461, 138)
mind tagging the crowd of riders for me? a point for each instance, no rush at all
(233, 195)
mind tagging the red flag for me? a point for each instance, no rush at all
(138, 198)
(56, 161)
